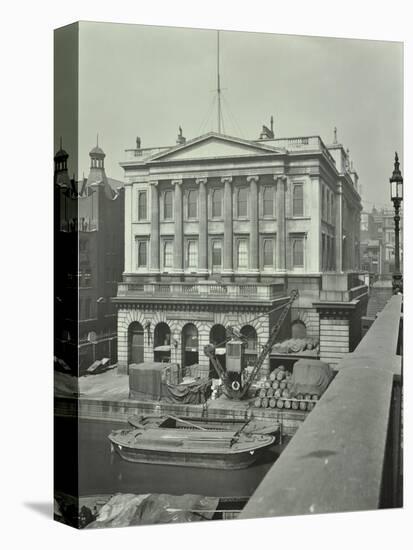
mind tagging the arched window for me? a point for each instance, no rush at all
(192, 204)
(162, 335)
(250, 335)
(268, 201)
(268, 256)
(242, 202)
(298, 253)
(168, 254)
(242, 254)
(298, 200)
(167, 205)
(135, 343)
(192, 254)
(190, 337)
(217, 203)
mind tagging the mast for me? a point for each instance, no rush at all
(218, 87)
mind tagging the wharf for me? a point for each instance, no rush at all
(106, 397)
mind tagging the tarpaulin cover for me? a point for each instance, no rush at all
(128, 509)
(194, 393)
(152, 381)
(310, 376)
(145, 380)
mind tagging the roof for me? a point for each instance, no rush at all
(97, 151)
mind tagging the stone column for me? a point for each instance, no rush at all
(228, 229)
(203, 226)
(179, 236)
(339, 227)
(281, 229)
(154, 227)
(254, 243)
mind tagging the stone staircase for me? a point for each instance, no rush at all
(380, 294)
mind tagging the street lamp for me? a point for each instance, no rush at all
(396, 189)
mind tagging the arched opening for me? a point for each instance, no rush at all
(189, 346)
(218, 337)
(250, 336)
(162, 343)
(135, 343)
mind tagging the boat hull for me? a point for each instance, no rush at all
(236, 461)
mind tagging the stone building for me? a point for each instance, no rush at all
(218, 230)
(89, 234)
(378, 241)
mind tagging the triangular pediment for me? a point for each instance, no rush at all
(213, 146)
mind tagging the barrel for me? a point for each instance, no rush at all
(270, 392)
(275, 385)
(280, 404)
(299, 396)
(308, 397)
(280, 376)
(257, 402)
(277, 393)
(303, 405)
(294, 404)
(285, 393)
(264, 402)
(267, 384)
(262, 392)
(287, 404)
(272, 402)
(310, 406)
(283, 385)
(281, 367)
(314, 397)
(273, 376)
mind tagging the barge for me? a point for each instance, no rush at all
(215, 449)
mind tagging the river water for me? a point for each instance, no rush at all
(103, 472)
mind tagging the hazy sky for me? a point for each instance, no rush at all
(146, 81)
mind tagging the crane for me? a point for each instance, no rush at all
(236, 382)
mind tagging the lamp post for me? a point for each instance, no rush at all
(396, 188)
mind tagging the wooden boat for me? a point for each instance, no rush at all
(195, 448)
(263, 427)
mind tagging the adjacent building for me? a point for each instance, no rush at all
(89, 234)
(378, 241)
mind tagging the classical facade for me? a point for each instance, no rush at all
(89, 234)
(217, 232)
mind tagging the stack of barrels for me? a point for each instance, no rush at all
(275, 392)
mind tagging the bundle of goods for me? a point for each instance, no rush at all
(297, 391)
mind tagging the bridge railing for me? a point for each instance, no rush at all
(347, 454)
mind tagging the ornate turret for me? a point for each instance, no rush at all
(60, 167)
(97, 165)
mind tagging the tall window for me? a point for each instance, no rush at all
(323, 252)
(242, 254)
(268, 253)
(168, 254)
(268, 201)
(242, 202)
(142, 205)
(142, 253)
(323, 203)
(332, 207)
(298, 200)
(167, 205)
(192, 204)
(217, 203)
(298, 253)
(328, 206)
(216, 254)
(192, 254)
